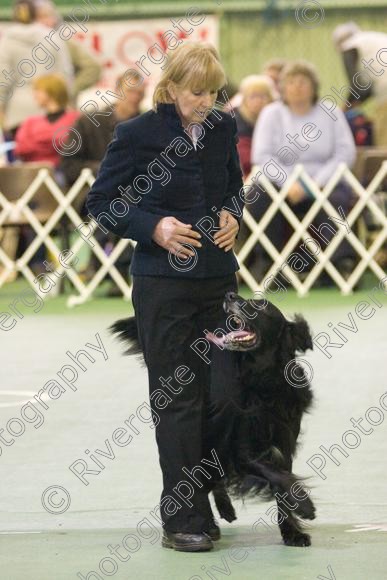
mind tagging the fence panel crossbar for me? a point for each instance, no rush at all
(20, 211)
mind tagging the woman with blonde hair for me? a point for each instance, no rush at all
(256, 91)
(39, 137)
(166, 181)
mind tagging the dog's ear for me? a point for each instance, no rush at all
(300, 334)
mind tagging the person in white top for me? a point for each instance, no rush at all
(364, 56)
(294, 131)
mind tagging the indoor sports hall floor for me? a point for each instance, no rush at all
(350, 532)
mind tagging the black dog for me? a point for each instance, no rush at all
(275, 394)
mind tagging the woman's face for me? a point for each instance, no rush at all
(298, 90)
(254, 101)
(190, 104)
(41, 97)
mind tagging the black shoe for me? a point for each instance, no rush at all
(214, 531)
(183, 542)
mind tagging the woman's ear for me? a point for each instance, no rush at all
(300, 334)
(171, 88)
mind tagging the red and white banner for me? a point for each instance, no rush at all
(119, 45)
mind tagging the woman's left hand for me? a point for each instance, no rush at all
(225, 237)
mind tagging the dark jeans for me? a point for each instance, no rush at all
(171, 315)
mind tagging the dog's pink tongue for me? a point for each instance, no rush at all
(218, 340)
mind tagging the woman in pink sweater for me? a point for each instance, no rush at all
(34, 138)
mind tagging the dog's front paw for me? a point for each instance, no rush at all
(297, 539)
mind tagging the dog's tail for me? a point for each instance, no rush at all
(127, 332)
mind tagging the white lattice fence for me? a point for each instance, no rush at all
(9, 212)
(365, 199)
(12, 212)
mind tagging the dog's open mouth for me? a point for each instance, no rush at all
(242, 339)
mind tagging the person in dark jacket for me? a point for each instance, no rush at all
(95, 139)
(171, 180)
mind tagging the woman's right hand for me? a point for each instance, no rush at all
(171, 234)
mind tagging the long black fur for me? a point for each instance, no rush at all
(268, 425)
(126, 331)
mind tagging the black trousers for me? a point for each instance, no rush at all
(196, 418)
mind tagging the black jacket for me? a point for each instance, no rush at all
(151, 170)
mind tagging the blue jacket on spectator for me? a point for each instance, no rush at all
(151, 170)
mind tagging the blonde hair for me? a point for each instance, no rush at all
(24, 11)
(192, 65)
(301, 67)
(258, 82)
(56, 88)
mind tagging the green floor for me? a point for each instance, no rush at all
(349, 534)
(61, 555)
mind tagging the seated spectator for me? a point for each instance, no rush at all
(34, 138)
(94, 144)
(96, 139)
(257, 91)
(271, 69)
(279, 137)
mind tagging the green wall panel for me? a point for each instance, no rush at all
(249, 37)
(249, 40)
